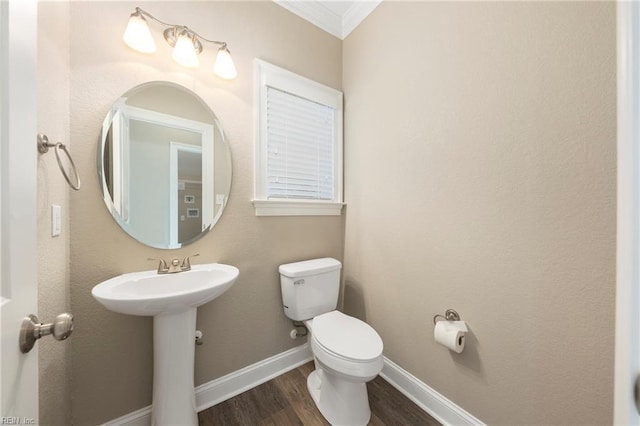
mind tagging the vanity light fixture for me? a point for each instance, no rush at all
(186, 43)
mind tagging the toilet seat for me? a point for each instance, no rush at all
(347, 346)
(347, 337)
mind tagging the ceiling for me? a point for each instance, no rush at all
(335, 17)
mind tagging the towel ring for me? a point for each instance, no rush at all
(43, 147)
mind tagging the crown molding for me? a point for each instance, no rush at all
(326, 19)
(357, 13)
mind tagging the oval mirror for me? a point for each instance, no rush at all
(164, 165)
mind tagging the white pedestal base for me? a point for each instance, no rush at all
(174, 400)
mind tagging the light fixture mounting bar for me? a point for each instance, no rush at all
(171, 37)
(173, 30)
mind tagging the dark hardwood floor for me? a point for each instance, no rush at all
(285, 401)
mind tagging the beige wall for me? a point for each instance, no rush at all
(53, 253)
(498, 200)
(112, 354)
(480, 176)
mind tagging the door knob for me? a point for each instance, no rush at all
(32, 330)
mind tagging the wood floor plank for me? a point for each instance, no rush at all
(285, 401)
(294, 387)
(375, 421)
(205, 418)
(284, 417)
(307, 369)
(250, 407)
(393, 408)
(268, 399)
(236, 411)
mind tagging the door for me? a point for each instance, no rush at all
(627, 358)
(18, 162)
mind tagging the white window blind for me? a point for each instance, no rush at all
(300, 143)
(298, 162)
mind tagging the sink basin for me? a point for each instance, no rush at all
(172, 300)
(149, 293)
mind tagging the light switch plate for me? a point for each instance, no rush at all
(56, 220)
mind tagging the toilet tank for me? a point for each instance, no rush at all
(310, 288)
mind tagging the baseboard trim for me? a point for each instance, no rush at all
(141, 417)
(219, 390)
(235, 383)
(427, 398)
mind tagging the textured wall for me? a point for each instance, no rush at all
(112, 353)
(480, 176)
(53, 253)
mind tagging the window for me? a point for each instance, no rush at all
(299, 145)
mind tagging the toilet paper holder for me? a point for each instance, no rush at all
(449, 315)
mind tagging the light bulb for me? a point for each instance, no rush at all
(137, 35)
(224, 66)
(184, 52)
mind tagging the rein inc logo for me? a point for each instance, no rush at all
(4, 420)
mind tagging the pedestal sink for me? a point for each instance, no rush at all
(172, 300)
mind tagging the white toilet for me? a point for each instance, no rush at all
(347, 352)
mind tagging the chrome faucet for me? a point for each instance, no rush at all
(174, 266)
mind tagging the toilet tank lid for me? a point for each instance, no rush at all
(309, 267)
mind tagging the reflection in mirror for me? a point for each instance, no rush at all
(164, 165)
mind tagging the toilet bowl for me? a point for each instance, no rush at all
(347, 352)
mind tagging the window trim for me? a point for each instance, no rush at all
(269, 75)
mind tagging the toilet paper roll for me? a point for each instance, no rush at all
(451, 334)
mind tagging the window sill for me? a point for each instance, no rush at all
(297, 208)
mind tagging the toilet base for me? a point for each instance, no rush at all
(341, 402)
